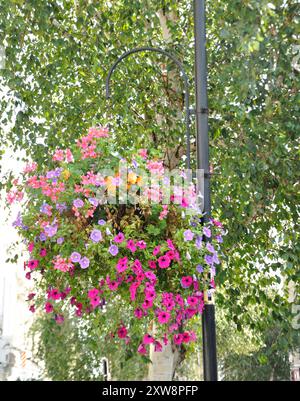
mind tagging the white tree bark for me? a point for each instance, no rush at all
(163, 363)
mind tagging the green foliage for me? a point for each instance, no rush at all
(57, 58)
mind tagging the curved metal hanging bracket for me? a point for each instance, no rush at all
(186, 88)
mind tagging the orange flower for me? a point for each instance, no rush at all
(132, 177)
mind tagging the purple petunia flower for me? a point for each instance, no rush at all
(46, 209)
(101, 222)
(78, 203)
(61, 207)
(215, 259)
(198, 242)
(219, 238)
(18, 222)
(93, 201)
(96, 236)
(50, 231)
(208, 259)
(199, 269)
(188, 235)
(113, 250)
(210, 247)
(75, 257)
(84, 262)
(60, 240)
(43, 237)
(207, 232)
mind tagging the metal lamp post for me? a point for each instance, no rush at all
(201, 113)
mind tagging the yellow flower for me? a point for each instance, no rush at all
(66, 174)
(132, 177)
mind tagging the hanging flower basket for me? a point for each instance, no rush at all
(101, 228)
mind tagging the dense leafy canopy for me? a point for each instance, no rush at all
(57, 58)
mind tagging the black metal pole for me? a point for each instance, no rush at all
(208, 317)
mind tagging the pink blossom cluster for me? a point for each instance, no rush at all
(62, 264)
(63, 155)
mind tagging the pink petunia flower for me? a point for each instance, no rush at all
(138, 313)
(122, 264)
(163, 317)
(122, 332)
(157, 346)
(152, 264)
(48, 307)
(142, 349)
(178, 338)
(33, 264)
(93, 293)
(113, 285)
(164, 261)
(95, 301)
(43, 252)
(131, 245)
(186, 281)
(192, 301)
(141, 244)
(119, 238)
(30, 247)
(156, 250)
(148, 339)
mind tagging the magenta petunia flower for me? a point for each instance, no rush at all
(138, 313)
(157, 346)
(152, 264)
(93, 293)
(96, 235)
(186, 281)
(164, 261)
(54, 294)
(122, 332)
(178, 338)
(192, 301)
(122, 264)
(186, 337)
(150, 276)
(30, 247)
(142, 349)
(95, 301)
(119, 238)
(33, 264)
(48, 307)
(163, 317)
(131, 245)
(43, 252)
(84, 262)
(170, 245)
(148, 339)
(156, 250)
(147, 304)
(59, 319)
(141, 244)
(113, 285)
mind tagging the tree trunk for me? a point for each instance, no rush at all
(163, 363)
